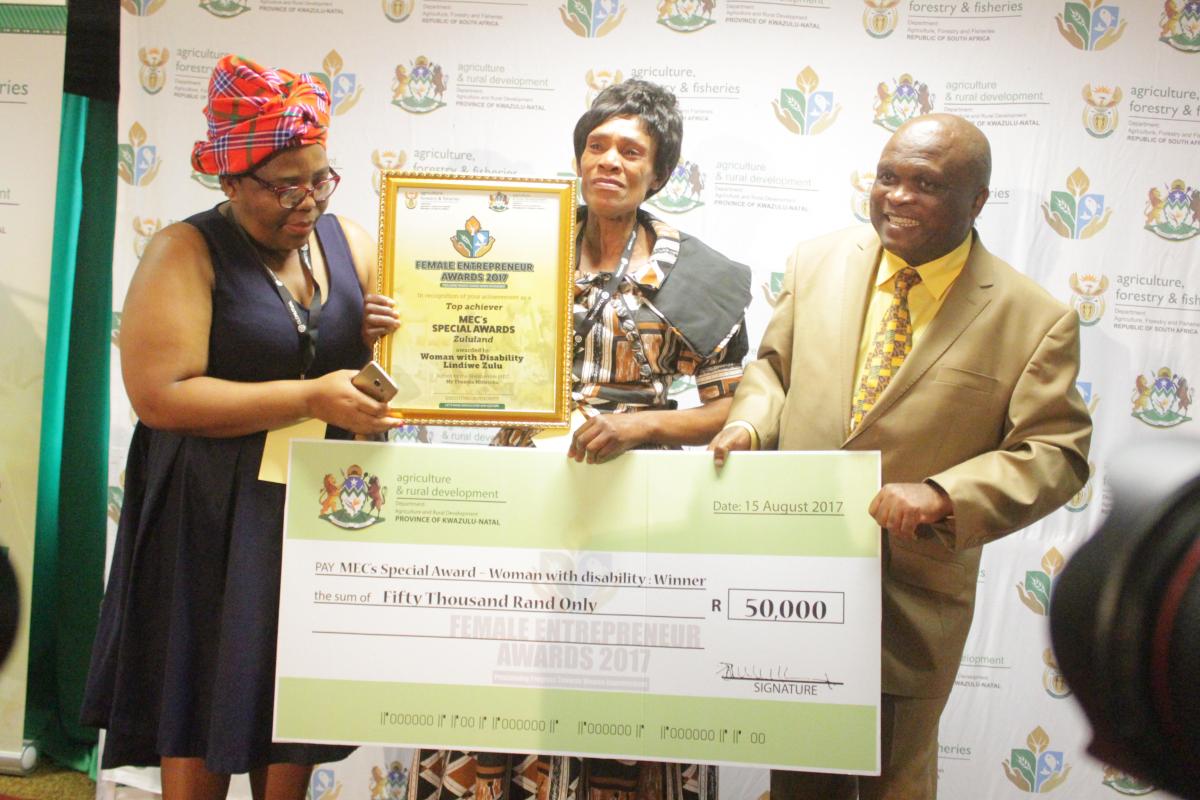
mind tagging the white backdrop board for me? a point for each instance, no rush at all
(1093, 113)
(32, 43)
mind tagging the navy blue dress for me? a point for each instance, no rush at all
(184, 659)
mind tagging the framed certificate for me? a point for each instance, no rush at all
(481, 271)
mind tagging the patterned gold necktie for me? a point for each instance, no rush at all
(891, 345)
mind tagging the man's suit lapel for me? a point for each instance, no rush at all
(969, 295)
(857, 278)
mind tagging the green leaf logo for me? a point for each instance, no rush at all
(1079, 17)
(805, 111)
(1024, 765)
(1037, 584)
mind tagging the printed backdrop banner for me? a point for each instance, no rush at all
(1092, 109)
(33, 40)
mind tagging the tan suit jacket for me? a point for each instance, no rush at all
(985, 406)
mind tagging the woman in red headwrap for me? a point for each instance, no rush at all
(242, 319)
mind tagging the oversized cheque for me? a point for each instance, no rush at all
(511, 599)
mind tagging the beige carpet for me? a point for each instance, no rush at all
(49, 782)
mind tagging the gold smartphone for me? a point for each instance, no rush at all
(374, 382)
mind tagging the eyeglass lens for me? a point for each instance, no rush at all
(295, 195)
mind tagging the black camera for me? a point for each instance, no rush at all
(10, 605)
(1125, 619)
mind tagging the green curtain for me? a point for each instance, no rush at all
(68, 574)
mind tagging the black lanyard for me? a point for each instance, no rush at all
(584, 326)
(307, 331)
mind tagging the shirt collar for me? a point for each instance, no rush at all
(936, 275)
(662, 257)
(648, 276)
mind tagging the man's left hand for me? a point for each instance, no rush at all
(901, 507)
(605, 436)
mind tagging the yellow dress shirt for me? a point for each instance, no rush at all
(924, 300)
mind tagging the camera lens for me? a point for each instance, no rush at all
(9, 604)
(1125, 619)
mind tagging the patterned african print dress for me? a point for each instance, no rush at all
(677, 319)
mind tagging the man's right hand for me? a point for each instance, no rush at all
(729, 439)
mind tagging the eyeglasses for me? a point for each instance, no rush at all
(291, 196)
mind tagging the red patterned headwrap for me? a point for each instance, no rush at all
(253, 111)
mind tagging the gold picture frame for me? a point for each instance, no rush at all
(481, 269)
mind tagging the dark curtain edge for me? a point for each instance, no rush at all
(39, 698)
(71, 534)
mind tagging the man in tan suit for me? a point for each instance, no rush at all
(912, 339)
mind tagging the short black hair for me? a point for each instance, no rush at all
(658, 111)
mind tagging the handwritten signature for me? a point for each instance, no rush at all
(728, 671)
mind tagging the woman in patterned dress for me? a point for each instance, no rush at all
(652, 306)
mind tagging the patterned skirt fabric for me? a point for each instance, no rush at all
(458, 775)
